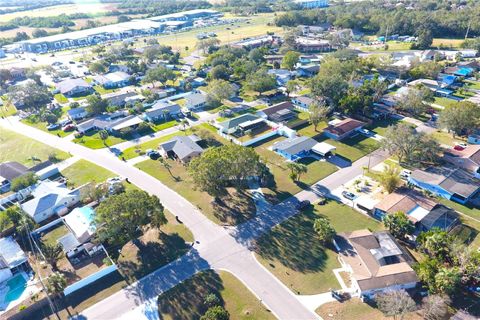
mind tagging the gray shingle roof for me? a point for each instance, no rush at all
(235, 122)
(69, 84)
(11, 170)
(183, 146)
(295, 145)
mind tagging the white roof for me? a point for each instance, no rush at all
(130, 122)
(418, 213)
(11, 252)
(323, 148)
(79, 223)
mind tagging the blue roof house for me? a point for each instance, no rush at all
(464, 72)
(294, 148)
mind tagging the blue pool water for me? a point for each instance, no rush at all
(88, 213)
(17, 286)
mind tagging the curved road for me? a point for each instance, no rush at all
(217, 248)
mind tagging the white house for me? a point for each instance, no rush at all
(12, 258)
(49, 198)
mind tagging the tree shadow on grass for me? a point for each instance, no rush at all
(294, 244)
(234, 208)
(185, 301)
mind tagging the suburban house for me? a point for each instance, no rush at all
(309, 44)
(111, 80)
(241, 124)
(198, 82)
(9, 171)
(424, 212)
(77, 113)
(12, 259)
(49, 198)
(182, 148)
(308, 71)
(162, 110)
(295, 148)
(303, 102)
(449, 183)
(120, 99)
(282, 76)
(280, 112)
(73, 87)
(375, 261)
(468, 159)
(81, 224)
(195, 101)
(343, 129)
(110, 122)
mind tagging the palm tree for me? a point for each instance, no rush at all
(296, 170)
(104, 136)
(52, 252)
(390, 178)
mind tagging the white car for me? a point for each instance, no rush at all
(114, 180)
(405, 174)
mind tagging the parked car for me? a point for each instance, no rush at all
(302, 205)
(63, 123)
(367, 132)
(405, 174)
(460, 146)
(153, 154)
(348, 195)
(53, 126)
(340, 296)
(68, 127)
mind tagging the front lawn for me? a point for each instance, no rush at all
(7, 109)
(446, 138)
(185, 301)
(472, 84)
(83, 171)
(283, 187)
(380, 126)
(101, 90)
(358, 310)
(352, 148)
(164, 125)
(60, 98)
(92, 140)
(22, 149)
(43, 126)
(293, 253)
(232, 209)
(444, 102)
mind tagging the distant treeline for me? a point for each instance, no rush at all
(155, 7)
(9, 6)
(443, 18)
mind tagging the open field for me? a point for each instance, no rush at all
(185, 301)
(83, 171)
(450, 43)
(43, 126)
(22, 149)
(294, 254)
(92, 140)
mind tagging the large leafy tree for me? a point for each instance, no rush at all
(32, 96)
(217, 91)
(414, 102)
(56, 283)
(324, 230)
(390, 178)
(318, 112)
(398, 224)
(52, 253)
(460, 118)
(260, 81)
(96, 105)
(159, 74)
(290, 59)
(436, 243)
(119, 217)
(220, 167)
(435, 307)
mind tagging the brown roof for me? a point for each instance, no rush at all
(376, 260)
(345, 126)
(468, 158)
(405, 200)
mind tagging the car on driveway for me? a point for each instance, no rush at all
(366, 132)
(302, 205)
(405, 174)
(460, 146)
(348, 195)
(68, 127)
(153, 154)
(53, 126)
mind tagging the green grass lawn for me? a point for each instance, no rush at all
(7, 109)
(234, 208)
(51, 236)
(283, 187)
(101, 90)
(92, 140)
(15, 147)
(60, 98)
(83, 171)
(446, 138)
(352, 148)
(380, 126)
(43, 126)
(185, 301)
(293, 253)
(445, 102)
(164, 125)
(472, 84)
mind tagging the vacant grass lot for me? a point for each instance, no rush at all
(83, 171)
(356, 309)
(43, 126)
(294, 254)
(352, 148)
(232, 209)
(283, 187)
(185, 301)
(154, 249)
(15, 147)
(449, 43)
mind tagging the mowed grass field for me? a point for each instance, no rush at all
(15, 147)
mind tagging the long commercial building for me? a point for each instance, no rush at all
(119, 31)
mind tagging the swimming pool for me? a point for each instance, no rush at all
(89, 214)
(17, 286)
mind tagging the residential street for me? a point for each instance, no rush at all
(218, 248)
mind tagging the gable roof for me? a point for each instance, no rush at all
(114, 77)
(11, 253)
(235, 122)
(468, 158)
(304, 99)
(295, 145)
(162, 107)
(376, 260)
(287, 105)
(405, 200)
(195, 99)
(11, 170)
(454, 181)
(76, 111)
(344, 126)
(183, 146)
(70, 84)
